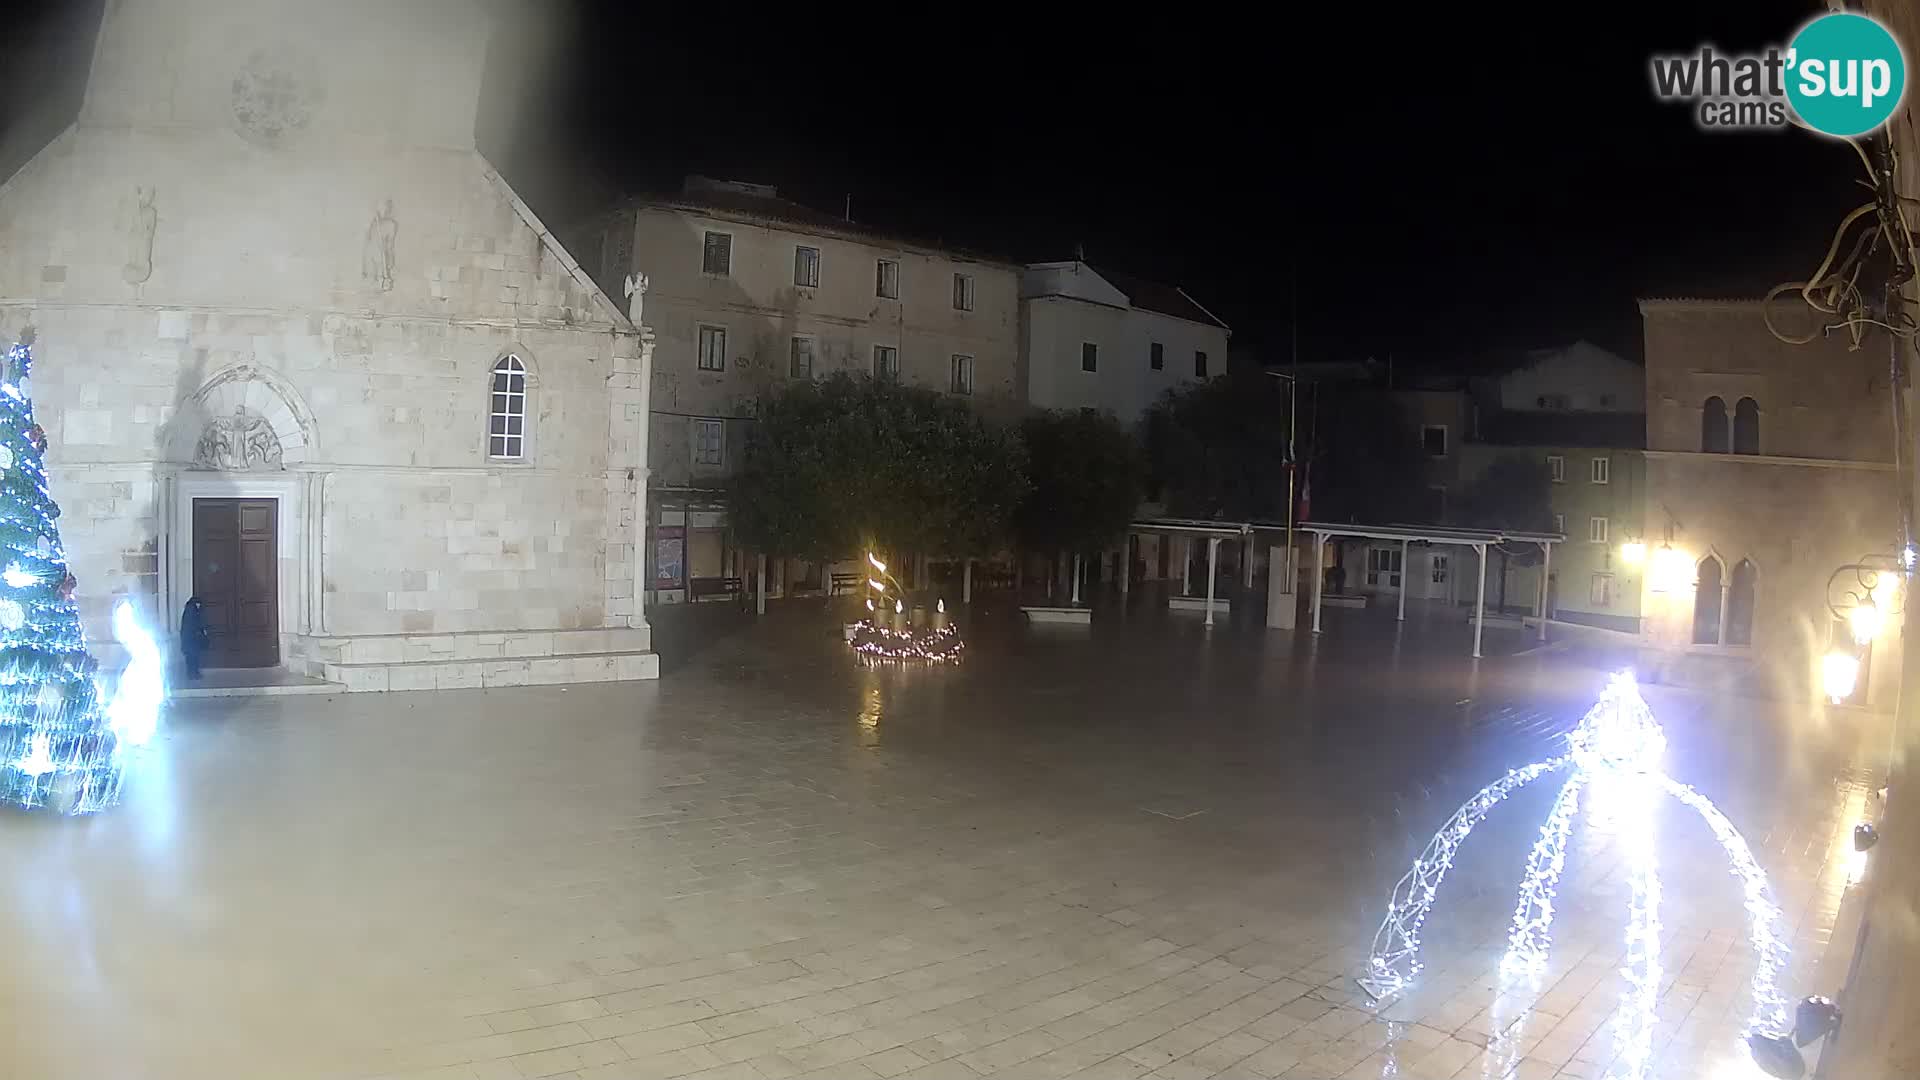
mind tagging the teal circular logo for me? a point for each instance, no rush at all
(1845, 74)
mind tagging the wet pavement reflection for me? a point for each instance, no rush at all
(1140, 849)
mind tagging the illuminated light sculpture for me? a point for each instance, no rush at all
(63, 743)
(1615, 754)
(886, 635)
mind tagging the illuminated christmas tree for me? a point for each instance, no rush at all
(60, 741)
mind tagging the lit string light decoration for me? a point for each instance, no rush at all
(885, 633)
(63, 743)
(1615, 751)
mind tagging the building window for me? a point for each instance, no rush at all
(1706, 603)
(1199, 364)
(886, 279)
(1557, 468)
(507, 420)
(1439, 568)
(1713, 426)
(1597, 530)
(962, 374)
(1383, 567)
(1157, 356)
(1746, 427)
(716, 255)
(1560, 524)
(1600, 593)
(800, 359)
(1089, 356)
(1602, 470)
(963, 292)
(710, 443)
(713, 348)
(806, 267)
(1740, 603)
(1433, 437)
(886, 363)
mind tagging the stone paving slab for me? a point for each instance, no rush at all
(778, 863)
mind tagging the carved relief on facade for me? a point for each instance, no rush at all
(144, 223)
(242, 442)
(376, 257)
(275, 94)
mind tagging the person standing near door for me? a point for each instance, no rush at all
(193, 636)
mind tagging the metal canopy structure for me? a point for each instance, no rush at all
(1478, 539)
(1214, 531)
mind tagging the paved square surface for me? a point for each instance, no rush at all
(1137, 852)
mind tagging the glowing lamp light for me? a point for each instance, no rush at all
(878, 586)
(1864, 621)
(1885, 592)
(1908, 555)
(1673, 571)
(875, 562)
(1839, 675)
(134, 712)
(17, 578)
(1633, 553)
(39, 759)
(898, 607)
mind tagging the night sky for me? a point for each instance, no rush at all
(1445, 183)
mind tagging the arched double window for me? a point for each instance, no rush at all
(1740, 603)
(1746, 427)
(507, 416)
(1713, 426)
(1723, 604)
(1707, 602)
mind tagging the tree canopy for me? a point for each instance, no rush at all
(1515, 491)
(1086, 475)
(1365, 459)
(1218, 449)
(850, 462)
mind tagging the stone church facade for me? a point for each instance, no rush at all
(301, 349)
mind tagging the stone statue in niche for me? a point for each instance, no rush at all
(140, 230)
(636, 287)
(376, 259)
(238, 443)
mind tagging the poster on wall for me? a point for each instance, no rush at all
(669, 557)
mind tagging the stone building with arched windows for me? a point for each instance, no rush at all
(1769, 467)
(302, 352)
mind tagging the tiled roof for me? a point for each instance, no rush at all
(1160, 299)
(775, 210)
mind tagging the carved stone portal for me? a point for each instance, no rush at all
(242, 442)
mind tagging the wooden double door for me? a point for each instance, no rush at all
(236, 575)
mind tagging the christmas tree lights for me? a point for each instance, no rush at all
(62, 743)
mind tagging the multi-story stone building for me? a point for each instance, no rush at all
(1575, 412)
(1098, 339)
(748, 292)
(304, 354)
(1769, 467)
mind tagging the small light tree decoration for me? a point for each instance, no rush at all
(885, 633)
(62, 742)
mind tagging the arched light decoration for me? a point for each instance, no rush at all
(1615, 751)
